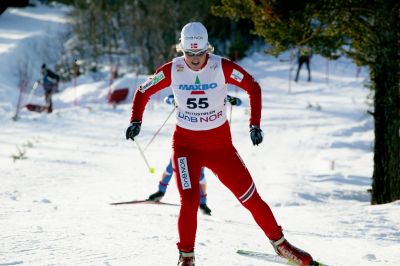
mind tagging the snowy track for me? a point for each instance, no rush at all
(313, 168)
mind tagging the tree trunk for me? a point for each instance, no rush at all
(385, 75)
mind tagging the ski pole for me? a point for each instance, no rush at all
(158, 131)
(151, 169)
(34, 87)
(230, 116)
(290, 70)
(327, 72)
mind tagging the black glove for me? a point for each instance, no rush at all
(256, 135)
(169, 99)
(233, 100)
(133, 130)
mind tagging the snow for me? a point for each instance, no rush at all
(314, 168)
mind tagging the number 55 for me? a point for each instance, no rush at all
(193, 104)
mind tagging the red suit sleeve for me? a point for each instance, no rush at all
(160, 80)
(236, 75)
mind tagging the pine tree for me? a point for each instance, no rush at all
(368, 31)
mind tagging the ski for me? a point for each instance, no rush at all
(272, 257)
(144, 202)
(263, 256)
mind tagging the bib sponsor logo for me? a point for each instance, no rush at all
(157, 78)
(184, 173)
(200, 117)
(197, 86)
(179, 68)
(236, 75)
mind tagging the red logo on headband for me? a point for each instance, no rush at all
(193, 46)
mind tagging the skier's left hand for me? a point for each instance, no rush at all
(169, 99)
(256, 135)
(234, 100)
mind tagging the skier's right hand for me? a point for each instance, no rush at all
(133, 130)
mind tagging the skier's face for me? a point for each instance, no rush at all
(195, 58)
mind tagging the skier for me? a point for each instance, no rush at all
(202, 136)
(303, 57)
(50, 85)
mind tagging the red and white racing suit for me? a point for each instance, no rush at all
(202, 137)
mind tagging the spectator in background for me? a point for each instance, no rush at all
(50, 85)
(303, 56)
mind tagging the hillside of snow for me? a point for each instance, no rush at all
(59, 172)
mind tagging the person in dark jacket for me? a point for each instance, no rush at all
(50, 85)
(303, 56)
